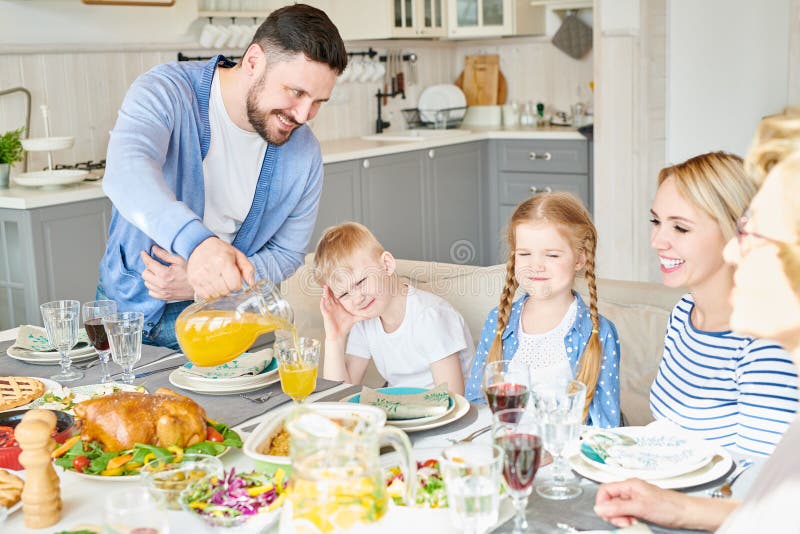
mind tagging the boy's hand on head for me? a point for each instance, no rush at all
(337, 320)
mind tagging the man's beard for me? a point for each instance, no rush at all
(258, 118)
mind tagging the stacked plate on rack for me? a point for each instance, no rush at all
(659, 453)
(457, 408)
(230, 378)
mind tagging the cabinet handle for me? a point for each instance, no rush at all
(548, 189)
(546, 156)
(365, 164)
(431, 153)
(534, 189)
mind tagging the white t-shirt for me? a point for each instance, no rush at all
(230, 170)
(545, 354)
(431, 330)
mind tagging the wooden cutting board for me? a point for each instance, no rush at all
(502, 86)
(482, 81)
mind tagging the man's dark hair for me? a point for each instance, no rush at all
(301, 28)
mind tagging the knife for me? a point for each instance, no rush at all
(148, 373)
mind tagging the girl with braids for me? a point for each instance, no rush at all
(549, 329)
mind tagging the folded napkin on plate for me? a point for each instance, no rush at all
(249, 363)
(434, 401)
(34, 338)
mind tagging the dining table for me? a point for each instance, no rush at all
(83, 498)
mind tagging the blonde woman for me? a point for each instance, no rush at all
(550, 329)
(734, 390)
(765, 301)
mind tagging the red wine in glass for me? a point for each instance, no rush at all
(506, 395)
(97, 333)
(522, 455)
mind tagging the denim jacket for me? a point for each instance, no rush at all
(604, 410)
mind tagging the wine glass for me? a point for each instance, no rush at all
(93, 313)
(124, 331)
(61, 320)
(506, 385)
(558, 405)
(471, 474)
(134, 510)
(298, 361)
(516, 432)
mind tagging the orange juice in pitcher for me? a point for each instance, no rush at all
(217, 331)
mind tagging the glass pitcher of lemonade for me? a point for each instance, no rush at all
(337, 482)
(216, 331)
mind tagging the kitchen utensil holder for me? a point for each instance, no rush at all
(445, 118)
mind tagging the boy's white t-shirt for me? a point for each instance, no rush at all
(431, 330)
(230, 170)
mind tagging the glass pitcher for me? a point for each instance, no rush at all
(213, 332)
(337, 482)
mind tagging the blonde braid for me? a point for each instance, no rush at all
(503, 311)
(592, 356)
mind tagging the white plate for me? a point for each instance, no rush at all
(82, 393)
(245, 380)
(49, 358)
(718, 467)
(39, 144)
(460, 410)
(405, 423)
(50, 178)
(49, 385)
(442, 96)
(179, 379)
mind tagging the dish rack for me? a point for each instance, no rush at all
(434, 118)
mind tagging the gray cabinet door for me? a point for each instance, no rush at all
(340, 200)
(393, 202)
(455, 180)
(544, 155)
(517, 186)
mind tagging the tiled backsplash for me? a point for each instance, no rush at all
(84, 89)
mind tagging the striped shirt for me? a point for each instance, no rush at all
(736, 391)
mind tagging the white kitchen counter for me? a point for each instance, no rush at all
(334, 151)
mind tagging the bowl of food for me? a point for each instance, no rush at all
(268, 444)
(10, 449)
(166, 480)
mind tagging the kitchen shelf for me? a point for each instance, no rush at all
(236, 14)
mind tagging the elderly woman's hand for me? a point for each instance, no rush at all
(622, 503)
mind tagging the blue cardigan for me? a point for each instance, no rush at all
(604, 410)
(154, 177)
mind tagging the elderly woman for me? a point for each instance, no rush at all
(734, 390)
(766, 302)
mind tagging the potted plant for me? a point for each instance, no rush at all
(10, 153)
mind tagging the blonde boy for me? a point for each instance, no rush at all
(415, 338)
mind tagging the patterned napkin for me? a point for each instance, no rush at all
(249, 363)
(434, 401)
(34, 338)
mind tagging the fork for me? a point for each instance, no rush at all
(261, 399)
(85, 366)
(472, 436)
(724, 491)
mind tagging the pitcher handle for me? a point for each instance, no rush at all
(400, 442)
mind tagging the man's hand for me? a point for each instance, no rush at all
(337, 321)
(216, 268)
(166, 282)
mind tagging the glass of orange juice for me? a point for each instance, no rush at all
(298, 361)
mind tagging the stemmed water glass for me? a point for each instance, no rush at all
(559, 407)
(517, 433)
(93, 313)
(61, 321)
(124, 331)
(506, 385)
(297, 365)
(471, 474)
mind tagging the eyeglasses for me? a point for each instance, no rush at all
(742, 233)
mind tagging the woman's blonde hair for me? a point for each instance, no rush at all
(572, 221)
(717, 184)
(338, 244)
(776, 144)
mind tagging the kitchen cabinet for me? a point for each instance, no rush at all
(418, 18)
(492, 18)
(388, 19)
(49, 253)
(421, 205)
(524, 168)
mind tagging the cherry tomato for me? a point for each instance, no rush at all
(80, 463)
(7, 437)
(212, 434)
(430, 463)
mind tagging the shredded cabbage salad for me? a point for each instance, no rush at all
(236, 495)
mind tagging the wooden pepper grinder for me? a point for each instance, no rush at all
(50, 418)
(41, 496)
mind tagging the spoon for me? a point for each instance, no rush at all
(724, 491)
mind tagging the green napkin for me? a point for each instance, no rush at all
(432, 402)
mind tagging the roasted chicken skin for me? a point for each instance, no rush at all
(121, 419)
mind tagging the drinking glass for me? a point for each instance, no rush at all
(124, 331)
(93, 313)
(506, 385)
(134, 510)
(559, 406)
(472, 476)
(61, 320)
(517, 433)
(298, 361)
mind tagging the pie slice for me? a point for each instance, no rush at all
(18, 390)
(10, 489)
